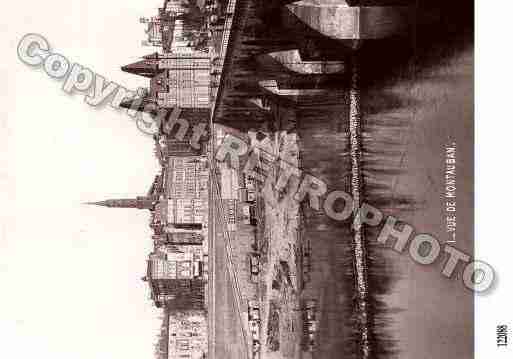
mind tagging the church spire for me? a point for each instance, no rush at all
(139, 203)
(147, 67)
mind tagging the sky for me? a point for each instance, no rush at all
(70, 273)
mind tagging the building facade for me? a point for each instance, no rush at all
(176, 277)
(188, 177)
(177, 79)
(187, 335)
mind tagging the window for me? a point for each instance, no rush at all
(182, 344)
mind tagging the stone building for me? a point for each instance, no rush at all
(187, 177)
(175, 277)
(187, 335)
(177, 79)
(179, 238)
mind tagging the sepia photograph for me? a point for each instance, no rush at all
(254, 179)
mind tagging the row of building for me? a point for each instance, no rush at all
(178, 198)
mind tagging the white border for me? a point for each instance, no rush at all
(493, 171)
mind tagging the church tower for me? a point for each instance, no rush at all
(139, 203)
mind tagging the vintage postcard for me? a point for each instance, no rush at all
(241, 179)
